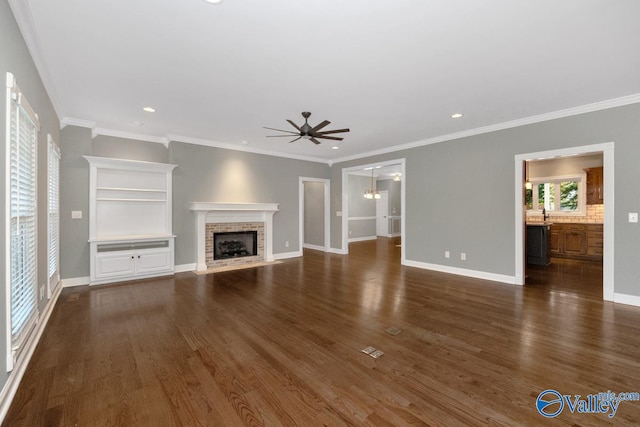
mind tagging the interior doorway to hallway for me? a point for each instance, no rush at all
(363, 218)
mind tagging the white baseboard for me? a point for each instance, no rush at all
(286, 255)
(362, 239)
(313, 247)
(337, 251)
(626, 299)
(463, 272)
(75, 281)
(183, 268)
(13, 381)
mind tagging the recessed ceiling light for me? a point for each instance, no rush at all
(213, 1)
(456, 115)
(149, 109)
(335, 147)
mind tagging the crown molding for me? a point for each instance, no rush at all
(244, 148)
(24, 18)
(568, 112)
(70, 121)
(587, 108)
(131, 135)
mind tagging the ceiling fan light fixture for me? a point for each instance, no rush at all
(308, 132)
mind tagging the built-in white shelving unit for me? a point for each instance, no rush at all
(130, 229)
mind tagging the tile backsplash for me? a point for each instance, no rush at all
(595, 215)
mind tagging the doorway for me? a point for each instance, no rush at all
(357, 225)
(314, 213)
(607, 151)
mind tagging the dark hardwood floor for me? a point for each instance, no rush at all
(281, 345)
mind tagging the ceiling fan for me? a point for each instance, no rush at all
(307, 132)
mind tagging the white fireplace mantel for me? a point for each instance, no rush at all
(212, 212)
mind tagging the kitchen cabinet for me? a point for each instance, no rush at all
(577, 241)
(538, 244)
(595, 185)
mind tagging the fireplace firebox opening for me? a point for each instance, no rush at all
(235, 244)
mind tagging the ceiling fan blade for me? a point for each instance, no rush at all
(334, 138)
(315, 141)
(320, 126)
(294, 125)
(333, 131)
(295, 139)
(281, 136)
(281, 130)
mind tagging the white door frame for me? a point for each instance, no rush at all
(327, 210)
(608, 288)
(345, 202)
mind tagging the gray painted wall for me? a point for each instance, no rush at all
(207, 174)
(74, 196)
(360, 207)
(204, 174)
(121, 148)
(15, 58)
(313, 213)
(445, 207)
(395, 194)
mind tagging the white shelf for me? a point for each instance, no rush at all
(131, 237)
(109, 199)
(130, 205)
(143, 190)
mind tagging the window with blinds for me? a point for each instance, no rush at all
(54, 214)
(21, 150)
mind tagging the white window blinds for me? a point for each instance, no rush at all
(54, 213)
(21, 149)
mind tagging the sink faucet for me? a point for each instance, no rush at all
(544, 215)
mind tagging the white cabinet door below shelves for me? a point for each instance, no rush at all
(153, 261)
(114, 265)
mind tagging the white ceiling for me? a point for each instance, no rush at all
(392, 71)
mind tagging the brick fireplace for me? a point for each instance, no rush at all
(214, 217)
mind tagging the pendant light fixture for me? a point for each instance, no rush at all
(371, 193)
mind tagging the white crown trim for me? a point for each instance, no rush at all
(574, 111)
(24, 19)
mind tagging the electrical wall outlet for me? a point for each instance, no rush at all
(463, 256)
(76, 214)
(633, 216)
(447, 254)
(286, 244)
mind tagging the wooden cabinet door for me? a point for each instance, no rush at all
(595, 186)
(555, 241)
(575, 242)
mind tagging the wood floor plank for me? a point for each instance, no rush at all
(281, 345)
